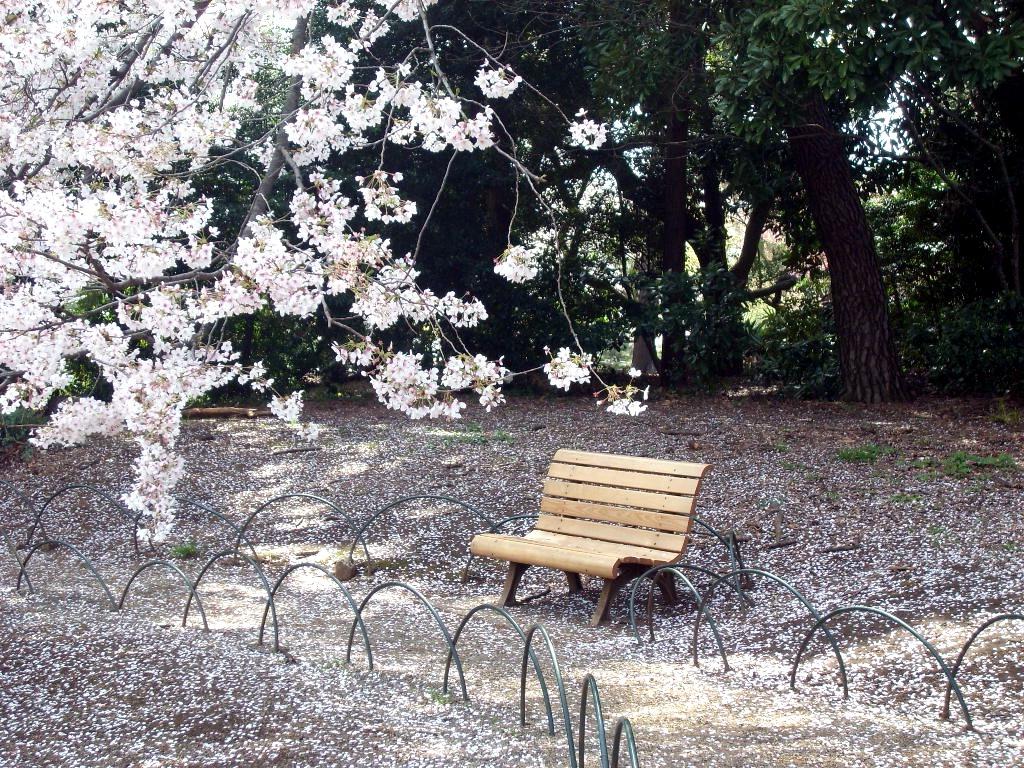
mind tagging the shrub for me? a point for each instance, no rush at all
(703, 314)
(719, 339)
(14, 426)
(975, 349)
(189, 550)
(796, 343)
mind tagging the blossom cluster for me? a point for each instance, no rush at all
(381, 201)
(483, 376)
(109, 252)
(587, 133)
(496, 83)
(568, 368)
(518, 264)
(289, 409)
(628, 400)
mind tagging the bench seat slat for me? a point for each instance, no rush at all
(516, 549)
(627, 553)
(658, 502)
(624, 479)
(635, 463)
(662, 521)
(671, 543)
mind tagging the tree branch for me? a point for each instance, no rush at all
(261, 199)
(751, 241)
(785, 281)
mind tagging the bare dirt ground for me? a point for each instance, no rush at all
(925, 499)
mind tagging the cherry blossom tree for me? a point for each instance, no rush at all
(110, 111)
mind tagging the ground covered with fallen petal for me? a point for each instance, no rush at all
(915, 509)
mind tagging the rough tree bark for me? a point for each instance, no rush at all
(643, 357)
(867, 354)
(675, 183)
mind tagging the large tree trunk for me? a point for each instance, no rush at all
(675, 224)
(712, 253)
(643, 358)
(673, 251)
(714, 218)
(867, 354)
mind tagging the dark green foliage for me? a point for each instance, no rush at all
(974, 349)
(959, 331)
(705, 313)
(978, 348)
(717, 338)
(293, 349)
(188, 550)
(797, 344)
(14, 428)
(859, 51)
(468, 231)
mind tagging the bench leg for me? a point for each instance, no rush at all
(604, 603)
(508, 592)
(667, 585)
(575, 585)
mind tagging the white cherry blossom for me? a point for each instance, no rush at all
(109, 112)
(586, 133)
(496, 83)
(568, 368)
(518, 264)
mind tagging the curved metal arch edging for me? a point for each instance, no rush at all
(131, 519)
(715, 575)
(181, 574)
(13, 552)
(27, 501)
(676, 572)
(559, 683)
(494, 528)
(259, 572)
(220, 517)
(729, 543)
(522, 636)
(899, 622)
(29, 504)
(357, 539)
(624, 728)
(590, 686)
(18, 492)
(793, 591)
(963, 653)
(344, 591)
(23, 573)
(452, 650)
(734, 545)
(377, 514)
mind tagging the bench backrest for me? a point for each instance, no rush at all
(620, 499)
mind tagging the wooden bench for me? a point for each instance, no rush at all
(602, 515)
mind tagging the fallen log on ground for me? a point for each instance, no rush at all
(224, 412)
